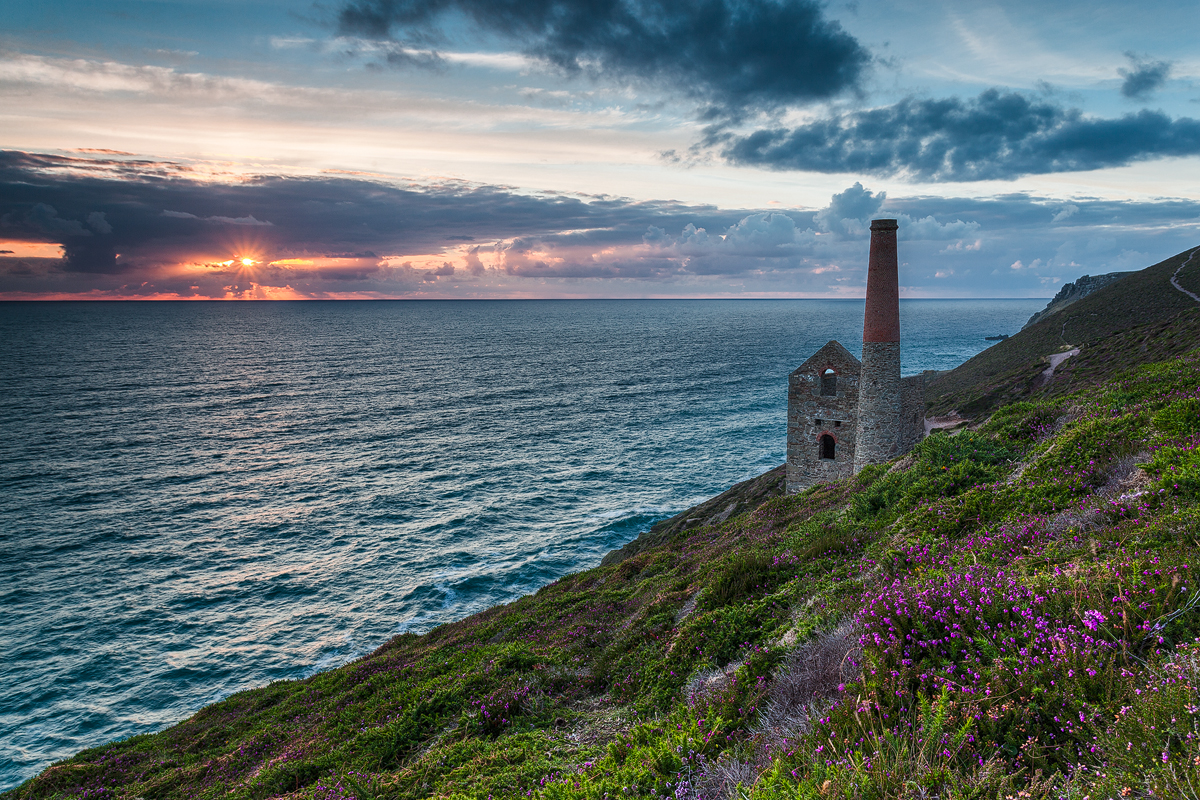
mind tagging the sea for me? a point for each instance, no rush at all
(200, 498)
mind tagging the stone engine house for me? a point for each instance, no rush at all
(844, 414)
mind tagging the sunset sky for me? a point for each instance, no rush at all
(589, 148)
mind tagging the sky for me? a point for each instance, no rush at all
(285, 149)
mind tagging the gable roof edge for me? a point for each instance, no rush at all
(833, 348)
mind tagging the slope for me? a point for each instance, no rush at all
(1139, 319)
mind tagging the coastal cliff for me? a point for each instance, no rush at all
(1070, 292)
(1007, 611)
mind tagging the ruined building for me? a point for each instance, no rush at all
(844, 414)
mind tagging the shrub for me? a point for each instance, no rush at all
(1177, 470)
(806, 682)
(945, 466)
(743, 574)
(1180, 418)
(1152, 745)
(1083, 454)
(1024, 421)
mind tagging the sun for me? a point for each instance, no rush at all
(248, 262)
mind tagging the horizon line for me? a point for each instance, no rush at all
(61, 299)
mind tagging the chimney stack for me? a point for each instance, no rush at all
(882, 320)
(879, 400)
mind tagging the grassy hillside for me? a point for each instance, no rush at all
(1140, 319)
(1006, 612)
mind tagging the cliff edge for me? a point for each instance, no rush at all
(1070, 292)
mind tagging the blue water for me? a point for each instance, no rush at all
(200, 498)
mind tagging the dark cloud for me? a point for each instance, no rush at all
(1144, 78)
(336, 235)
(998, 135)
(98, 223)
(734, 54)
(84, 250)
(57, 198)
(158, 214)
(91, 255)
(45, 218)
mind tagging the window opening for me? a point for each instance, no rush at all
(828, 383)
(827, 447)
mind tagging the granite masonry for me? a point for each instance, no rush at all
(844, 414)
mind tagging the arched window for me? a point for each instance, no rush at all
(827, 445)
(828, 383)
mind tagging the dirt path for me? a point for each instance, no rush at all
(1175, 277)
(1057, 359)
(951, 420)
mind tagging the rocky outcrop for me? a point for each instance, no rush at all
(1071, 292)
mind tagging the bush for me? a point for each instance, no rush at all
(1177, 470)
(742, 575)
(1023, 422)
(945, 466)
(1181, 418)
(1153, 743)
(1083, 454)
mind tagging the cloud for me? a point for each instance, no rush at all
(734, 54)
(998, 135)
(98, 223)
(765, 235)
(473, 262)
(930, 230)
(94, 256)
(82, 251)
(45, 218)
(960, 246)
(1144, 78)
(1068, 210)
(849, 211)
(339, 236)
(249, 219)
(326, 228)
(246, 220)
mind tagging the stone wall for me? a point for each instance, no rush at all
(879, 404)
(812, 415)
(912, 414)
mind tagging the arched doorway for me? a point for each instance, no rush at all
(828, 446)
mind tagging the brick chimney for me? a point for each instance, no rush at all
(879, 398)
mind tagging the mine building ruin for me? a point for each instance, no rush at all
(844, 414)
